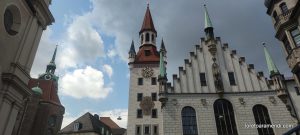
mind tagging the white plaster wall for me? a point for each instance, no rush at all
(147, 88)
(243, 113)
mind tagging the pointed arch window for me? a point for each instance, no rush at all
(284, 8)
(189, 121)
(224, 116)
(152, 37)
(142, 38)
(147, 37)
(261, 116)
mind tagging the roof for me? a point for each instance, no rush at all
(271, 66)
(208, 23)
(148, 22)
(89, 123)
(109, 122)
(49, 88)
(116, 130)
(142, 57)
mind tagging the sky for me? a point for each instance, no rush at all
(94, 37)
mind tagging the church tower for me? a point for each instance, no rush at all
(21, 25)
(144, 112)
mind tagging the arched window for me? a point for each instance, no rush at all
(261, 116)
(224, 116)
(142, 38)
(284, 8)
(152, 37)
(189, 122)
(147, 37)
(275, 16)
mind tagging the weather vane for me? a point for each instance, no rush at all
(148, 2)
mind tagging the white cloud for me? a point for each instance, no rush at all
(111, 53)
(83, 44)
(108, 70)
(114, 114)
(85, 83)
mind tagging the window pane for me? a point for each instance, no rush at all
(189, 122)
(224, 116)
(154, 113)
(140, 81)
(139, 96)
(153, 80)
(154, 96)
(203, 79)
(139, 113)
(231, 78)
(261, 116)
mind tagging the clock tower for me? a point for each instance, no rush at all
(144, 108)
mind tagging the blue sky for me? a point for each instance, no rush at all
(94, 37)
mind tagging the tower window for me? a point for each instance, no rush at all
(154, 96)
(152, 37)
(189, 121)
(142, 38)
(147, 52)
(139, 113)
(155, 129)
(202, 79)
(231, 78)
(261, 116)
(140, 81)
(297, 90)
(275, 16)
(153, 80)
(147, 130)
(296, 36)
(138, 130)
(284, 8)
(154, 113)
(139, 96)
(224, 116)
(147, 37)
(287, 45)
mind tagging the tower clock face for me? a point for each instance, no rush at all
(147, 72)
(48, 77)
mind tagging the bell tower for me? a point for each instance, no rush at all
(144, 108)
(21, 25)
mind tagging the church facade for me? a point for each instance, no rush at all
(215, 92)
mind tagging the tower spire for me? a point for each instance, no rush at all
(54, 55)
(208, 27)
(271, 66)
(52, 66)
(148, 22)
(162, 69)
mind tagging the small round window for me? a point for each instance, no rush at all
(12, 20)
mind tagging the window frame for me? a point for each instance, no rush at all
(140, 81)
(224, 117)
(203, 81)
(139, 96)
(157, 129)
(154, 116)
(153, 81)
(284, 8)
(145, 126)
(154, 98)
(189, 121)
(139, 113)
(231, 78)
(147, 37)
(295, 36)
(261, 116)
(138, 128)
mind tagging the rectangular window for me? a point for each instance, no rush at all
(231, 78)
(154, 96)
(153, 81)
(139, 96)
(287, 45)
(138, 130)
(154, 113)
(155, 129)
(203, 79)
(147, 52)
(140, 81)
(139, 113)
(296, 36)
(297, 90)
(147, 130)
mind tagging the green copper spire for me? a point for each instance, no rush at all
(162, 70)
(37, 90)
(208, 23)
(271, 66)
(54, 55)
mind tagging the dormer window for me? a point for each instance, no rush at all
(147, 52)
(284, 8)
(147, 37)
(77, 126)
